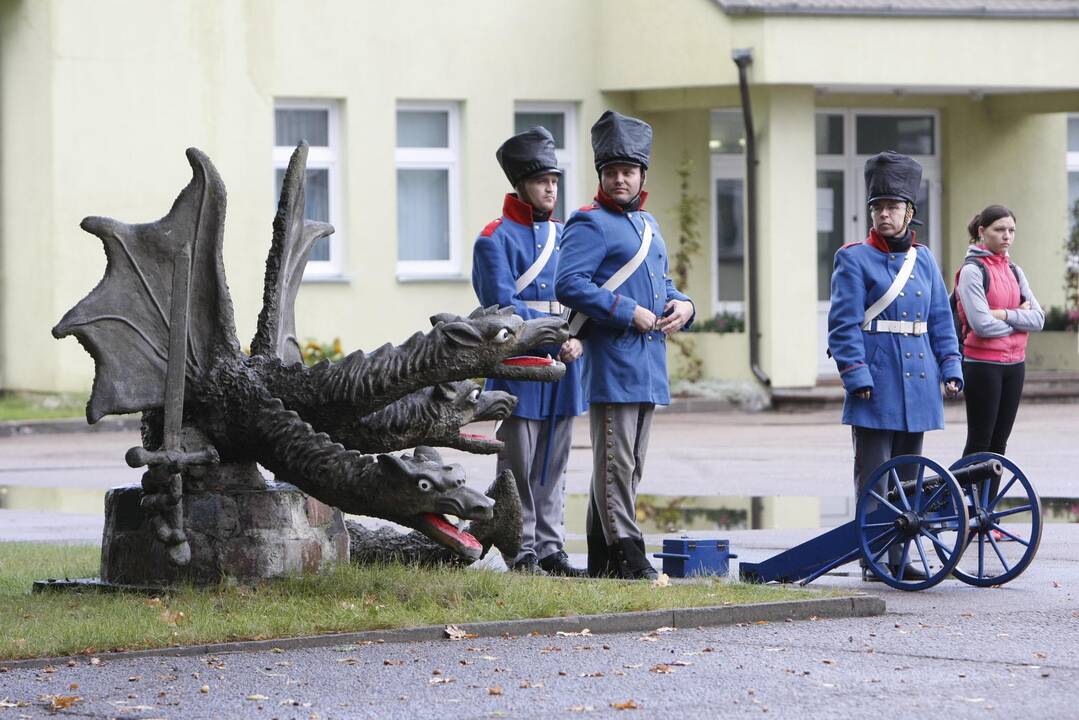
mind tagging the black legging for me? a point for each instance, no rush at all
(992, 393)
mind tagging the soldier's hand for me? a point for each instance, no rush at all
(644, 319)
(571, 350)
(678, 313)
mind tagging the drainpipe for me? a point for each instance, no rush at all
(743, 58)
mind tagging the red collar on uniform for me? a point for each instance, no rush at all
(608, 202)
(877, 241)
(517, 209)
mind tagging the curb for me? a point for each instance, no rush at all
(13, 428)
(849, 606)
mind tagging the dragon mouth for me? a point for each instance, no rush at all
(441, 530)
(479, 444)
(529, 367)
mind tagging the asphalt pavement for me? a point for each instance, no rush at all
(953, 650)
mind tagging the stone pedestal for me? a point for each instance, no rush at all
(239, 526)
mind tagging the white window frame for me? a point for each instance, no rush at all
(567, 155)
(320, 158)
(448, 159)
(725, 166)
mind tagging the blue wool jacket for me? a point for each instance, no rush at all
(505, 249)
(904, 371)
(622, 365)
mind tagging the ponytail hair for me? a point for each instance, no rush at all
(985, 218)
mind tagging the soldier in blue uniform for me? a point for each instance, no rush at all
(892, 361)
(513, 264)
(614, 274)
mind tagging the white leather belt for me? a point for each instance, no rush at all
(904, 327)
(551, 307)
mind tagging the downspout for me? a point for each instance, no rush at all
(743, 58)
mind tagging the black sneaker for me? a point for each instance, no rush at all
(528, 566)
(557, 563)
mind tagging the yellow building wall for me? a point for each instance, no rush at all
(27, 164)
(119, 89)
(99, 100)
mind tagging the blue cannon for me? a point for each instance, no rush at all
(979, 521)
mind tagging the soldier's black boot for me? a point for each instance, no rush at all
(599, 555)
(632, 563)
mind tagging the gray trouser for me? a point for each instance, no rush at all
(619, 444)
(872, 448)
(542, 501)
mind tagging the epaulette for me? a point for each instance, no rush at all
(851, 244)
(491, 227)
(586, 208)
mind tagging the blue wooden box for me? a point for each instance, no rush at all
(686, 556)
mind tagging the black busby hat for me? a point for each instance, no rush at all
(891, 176)
(617, 138)
(527, 154)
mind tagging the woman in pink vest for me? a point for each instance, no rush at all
(996, 309)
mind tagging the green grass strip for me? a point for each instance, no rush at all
(348, 599)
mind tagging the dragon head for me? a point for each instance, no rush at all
(466, 402)
(420, 491)
(496, 340)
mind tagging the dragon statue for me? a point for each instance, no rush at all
(317, 427)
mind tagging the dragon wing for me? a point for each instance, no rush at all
(293, 238)
(124, 322)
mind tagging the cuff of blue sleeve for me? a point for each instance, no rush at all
(622, 311)
(856, 377)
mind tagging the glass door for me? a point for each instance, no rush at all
(845, 140)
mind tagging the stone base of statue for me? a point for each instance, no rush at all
(239, 527)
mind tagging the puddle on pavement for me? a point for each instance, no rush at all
(656, 514)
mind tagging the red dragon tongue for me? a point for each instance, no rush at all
(528, 361)
(439, 523)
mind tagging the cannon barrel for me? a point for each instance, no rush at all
(966, 476)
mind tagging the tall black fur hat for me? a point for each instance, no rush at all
(891, 176)
(527, 154)
(617, 138)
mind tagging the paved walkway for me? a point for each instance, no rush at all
(954, 650)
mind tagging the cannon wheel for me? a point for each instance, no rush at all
(986, 533)
(890, 516)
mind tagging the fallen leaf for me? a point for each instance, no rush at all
(829, 662)
(592, 674)
(5, 703)
(627, 705)
(134, 678)
(348, 661)
(661, 668)
(664, 629)
(455, 633)
(204, 689)
(440, 681)
(1056, 584)
(400, 662)
(1040, 655)
(633, 666)
(153, 602)
(527, 684)
(257, 697)
(496, 690)
(48, 669)
(95, 661)
(488, 657)
(277, 650)
(551, 649)
(680, 663)
(585, 631)
(580, 708)
(661, 581)
(61, 702)
(73, 686)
